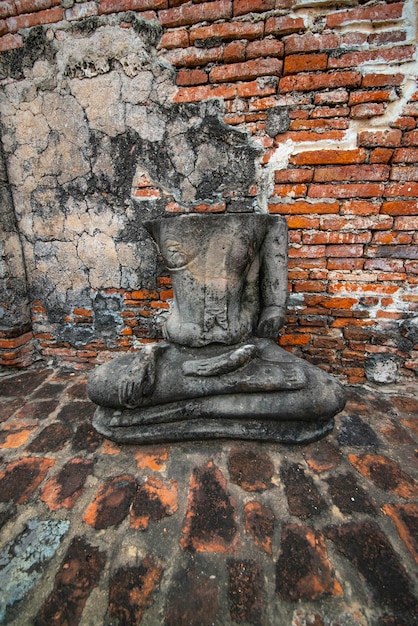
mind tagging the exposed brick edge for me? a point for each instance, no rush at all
(17, 347)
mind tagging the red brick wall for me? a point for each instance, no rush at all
(347, 178)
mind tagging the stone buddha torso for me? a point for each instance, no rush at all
(215, 276)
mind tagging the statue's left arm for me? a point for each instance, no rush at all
(273, 278)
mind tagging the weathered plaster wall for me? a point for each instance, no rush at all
(15, 327)
(303, 108)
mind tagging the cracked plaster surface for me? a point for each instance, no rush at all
(83, 107)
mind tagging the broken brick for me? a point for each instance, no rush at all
(7, 514)
(50, 439)
(322, 456)
(250, 470)
(86, 438)
(303, 570)
(154, 459)
(302, 495)
(79, 573)
(76, 412)
(15, 435)
(20, 478)
(63, 490)
(131, 590)
(259, 523)
(38, 410)
(348, 496)
(406, 404)
(112, 502)
(49, 390)
(405, 518)
(78, 390)
(369, 551)
(392, 620)
(192, 598)
(24, 383)
(210, 524)
(355, 432)
(386, 474)
(396, 434)
(246, 592)
(153, 501)
(8, 407)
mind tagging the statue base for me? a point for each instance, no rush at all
(255, 390)
(126, 427)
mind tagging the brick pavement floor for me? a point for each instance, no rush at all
(195, 534)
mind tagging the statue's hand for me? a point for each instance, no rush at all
(271, 320)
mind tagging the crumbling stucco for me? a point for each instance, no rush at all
(83, 110)
(14, 309)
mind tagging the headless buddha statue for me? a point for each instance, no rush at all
(219, 371)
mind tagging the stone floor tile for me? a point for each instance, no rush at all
(304, 571)
(193, 598)
(15, 435)
(406, 404)
(348, 496)
(50, 439)
(86, 438)
(20, 478)
(79, 573)
(76, 412)
(77, 390)
(153, 501)
(131, 590)
(369, 551)
(246, 592)
(38, 410)
(8, 407)
(112, 502)
(24, 560)
(210, 524)
(355, 432)
(62, 491)
(386, 474)
(49, 390)
(259, 522)
(322, 456)
(395, 433)
(250, 470)
(23, 383)
(405, 517)
(302, 495)
(412, 424)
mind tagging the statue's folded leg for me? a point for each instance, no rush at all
(127, 380)
(268, 394)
